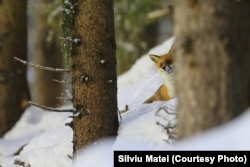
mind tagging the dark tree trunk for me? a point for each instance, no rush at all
(13, 84)
(212, 62)
(47, 53)
(94, 72)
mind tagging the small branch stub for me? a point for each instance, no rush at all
(102, 62)
(70, 124)
(77, 40)
(73, 40)
(84, 78)
(76, 115)
(110, 81)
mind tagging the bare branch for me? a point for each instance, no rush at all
(51, 108)
(62, 82)
(166, 110)
(21, 163)
(19, 150)
(160, 13)
(41, 67)
(64, 98)
(124, 110)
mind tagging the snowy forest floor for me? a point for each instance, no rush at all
(48, 142)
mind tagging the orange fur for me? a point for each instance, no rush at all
(160, 95)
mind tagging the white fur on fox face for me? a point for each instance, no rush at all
(169, 81)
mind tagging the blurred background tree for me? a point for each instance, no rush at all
(44, 49)
(136, 33)
(48, 53)
(14, 92)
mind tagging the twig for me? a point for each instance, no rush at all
(41, 67)
(70, 156)
(21, 163)
(160, 13)
(124, 110)
(62, 82)
(51, 108)
(64, 98)
(19, 150)
(166, 110)
(170, 130)
(120, 116)
(75, 40)
(166, 127)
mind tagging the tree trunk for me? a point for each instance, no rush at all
(94, 72)
(13, 84)
(212, 62)
(47, 53)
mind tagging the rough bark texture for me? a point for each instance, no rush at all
(212, 62)
(94, 72)
(47, 53)
(13, 85)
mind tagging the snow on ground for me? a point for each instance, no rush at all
(233, 135)
(48, 142)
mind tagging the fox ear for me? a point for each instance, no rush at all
(172, 50)
(155, 58)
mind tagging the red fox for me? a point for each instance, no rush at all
(165, 69)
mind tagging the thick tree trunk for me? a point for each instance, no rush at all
(94, 72)
(212, 62)
(47, 53)
(13, 84)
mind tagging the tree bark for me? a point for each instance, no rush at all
(212, 62)
(13, 84)
(47, 53)
(94, 72)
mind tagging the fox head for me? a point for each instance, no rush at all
(164, 62)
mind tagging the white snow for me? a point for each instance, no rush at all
(49, 142)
